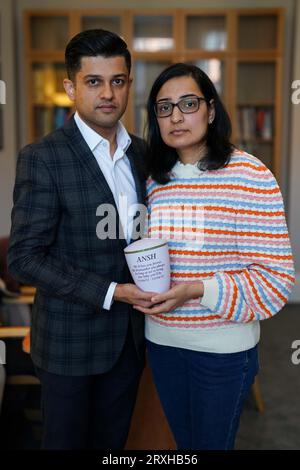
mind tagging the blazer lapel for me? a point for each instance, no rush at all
(89, 163)
(135, 160)
(135, 163)
(135, 176)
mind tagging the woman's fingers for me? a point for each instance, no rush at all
(164, 307)
(163, 297)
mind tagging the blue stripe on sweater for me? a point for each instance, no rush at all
(234, 203)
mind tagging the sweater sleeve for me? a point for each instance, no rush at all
(261, 288)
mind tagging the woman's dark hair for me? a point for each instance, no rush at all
(160, 157)
(91, 43)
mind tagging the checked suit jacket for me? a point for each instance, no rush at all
(54, 246)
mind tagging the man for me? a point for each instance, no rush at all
(87, 342)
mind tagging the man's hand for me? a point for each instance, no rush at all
(131, 294)
(175, 297)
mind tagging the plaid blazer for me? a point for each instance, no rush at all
(54, 246)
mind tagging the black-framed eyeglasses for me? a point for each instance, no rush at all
(185, 105)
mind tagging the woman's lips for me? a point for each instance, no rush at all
(178, 132)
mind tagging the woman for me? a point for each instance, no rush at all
(231, 262)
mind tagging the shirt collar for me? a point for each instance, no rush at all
(93, 139)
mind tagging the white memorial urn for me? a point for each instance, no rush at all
(149, 264)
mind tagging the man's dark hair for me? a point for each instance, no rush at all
(160, 157)
(92, 43)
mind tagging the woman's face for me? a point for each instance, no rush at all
(184, 132)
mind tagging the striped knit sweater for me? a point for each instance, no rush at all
(227, 228)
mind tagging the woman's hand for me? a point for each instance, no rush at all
(175, 297)
(131, 294)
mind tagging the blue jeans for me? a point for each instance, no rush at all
(202, 393)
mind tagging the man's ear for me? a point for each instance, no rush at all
(69, 88)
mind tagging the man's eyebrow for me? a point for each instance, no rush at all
(189, 95)
(95, 75)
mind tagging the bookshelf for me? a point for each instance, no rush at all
(2, 88)
(240, 49)
(258, 74)
(8, 127)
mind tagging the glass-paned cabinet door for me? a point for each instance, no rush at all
(110, 23)
(145, 72)
(215, 69)
(257, 32)
(2, 103)
(153, 33)
(1, 128)
(256, 109)
(2, 90)
(51, 105)
(49, 32)
(256, 82)
(206, 32)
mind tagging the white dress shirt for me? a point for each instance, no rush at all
(118, 175)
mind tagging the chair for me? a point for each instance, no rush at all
(14, 327)
(20, 413)
(21, 373)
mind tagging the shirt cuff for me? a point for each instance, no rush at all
(109, 296)
(211, 293)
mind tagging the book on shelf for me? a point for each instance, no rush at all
(61, 116)
(49, 118)
(266, 129)
(254, 122)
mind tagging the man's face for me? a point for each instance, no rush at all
(100, 91)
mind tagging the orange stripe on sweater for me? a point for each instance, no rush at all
(200, 318)
(248, 165)
(222, 232)
(218, 253)
(233, 302)
(216, 186)
(252, 317)
(276, 273)
(244, 211)
(256, 294)
(282, 297)
(193, 274)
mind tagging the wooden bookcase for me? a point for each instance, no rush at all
(2, 89)
(8, 131)
(240, 49)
